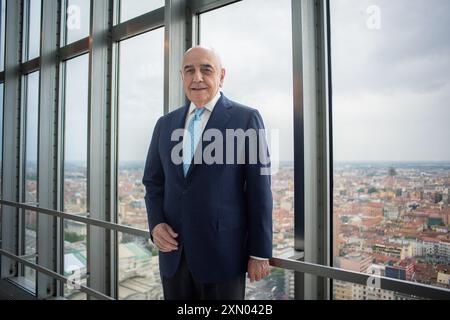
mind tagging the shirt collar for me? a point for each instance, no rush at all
(209, 106)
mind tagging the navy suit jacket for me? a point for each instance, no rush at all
(221, 212)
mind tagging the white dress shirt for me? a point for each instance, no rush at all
(209, 107)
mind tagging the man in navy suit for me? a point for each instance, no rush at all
(211, 221)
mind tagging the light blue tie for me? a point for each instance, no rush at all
(194, 130)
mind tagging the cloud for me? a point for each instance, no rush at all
(391, 86)
(141, 93)
(410, 52)
(257, 52)
(400, 127)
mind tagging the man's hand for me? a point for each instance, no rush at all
(164, 238)
(257, 269)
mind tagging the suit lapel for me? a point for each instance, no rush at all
(218, 119)
(178, 123)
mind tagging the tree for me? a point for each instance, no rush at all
(372, 190)
(73, 237)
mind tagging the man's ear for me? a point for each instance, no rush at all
(223, 73)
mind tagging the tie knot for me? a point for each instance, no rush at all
(198, 113)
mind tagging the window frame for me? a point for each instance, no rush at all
(312, 136)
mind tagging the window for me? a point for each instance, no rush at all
(132, 9)
(32, 29)
(140, 104)
(390, 66)
(28, 223)
(31, 110)
(257, 54)
(75, 169)
(389, 128)
(77, 16)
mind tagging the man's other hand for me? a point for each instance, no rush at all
(257, 269)
(164, 238)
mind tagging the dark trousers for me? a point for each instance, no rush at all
(182, 286)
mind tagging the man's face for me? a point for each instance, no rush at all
(202, 75)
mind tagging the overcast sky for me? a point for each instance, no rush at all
(141, 93)
(254, 77)
(391, 85)
(254, 39)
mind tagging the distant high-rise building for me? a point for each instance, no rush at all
(401, 272)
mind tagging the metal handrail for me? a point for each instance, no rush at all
(73, 217)
(55, 275)
(406, 287)
(365, 279)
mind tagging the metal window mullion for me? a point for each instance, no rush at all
(47, 165)
(22, 163)
(179, 38)
(99, 144)
(74, 49)
(330, 145)
(114, 166)
(323, 143)
(299, 161)
(201, 6)
(116, 11)
(11, 134)
(25, 29)
(141, 24)
(315, 157)
(30, 66)
(310, 146)
(60, 175)
(63, 24)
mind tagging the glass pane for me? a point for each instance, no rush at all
(77, 15)
(75, 259)
(30, 223)
(31, 110)
(249, 48)
(351, 291)
(34, 29)
(75, 173)
(139, 277)
(140, 106)
(2, 33)
(279, 285)
(131, 8)
(76, 130)
(29, 218)
(390, 71)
